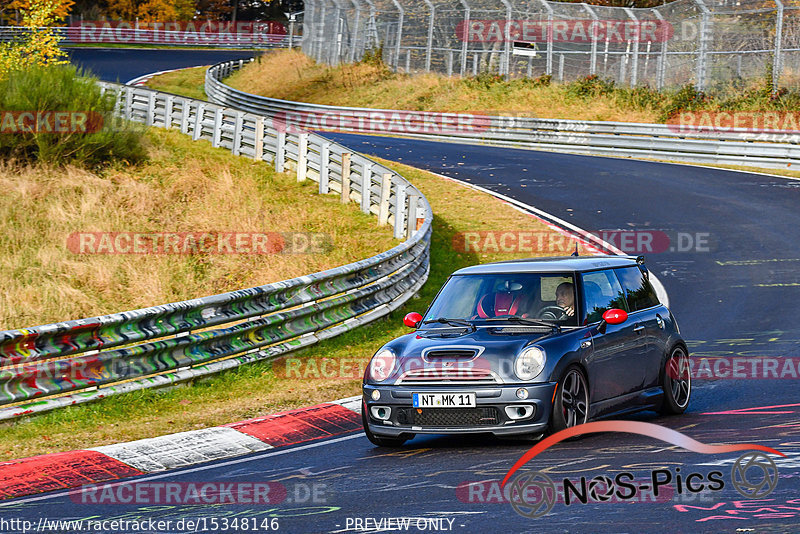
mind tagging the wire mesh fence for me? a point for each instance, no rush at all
(707, 43)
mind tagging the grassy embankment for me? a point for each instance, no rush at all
(292, 76)
(190, 185)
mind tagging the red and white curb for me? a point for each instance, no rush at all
(64, 470)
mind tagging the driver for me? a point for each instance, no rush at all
(565, 298)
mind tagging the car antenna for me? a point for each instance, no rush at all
(576, 250)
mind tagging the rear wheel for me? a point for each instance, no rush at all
(380, 441)
(676, 381)
(572, 400)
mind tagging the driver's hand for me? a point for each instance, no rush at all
(569, 310)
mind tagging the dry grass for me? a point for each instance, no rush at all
(290, 75)
(255, 390)
(185, 187)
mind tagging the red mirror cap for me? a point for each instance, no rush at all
(615, 316)
(413, 319)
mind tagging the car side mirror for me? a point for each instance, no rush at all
(413, 319)
(612, 316)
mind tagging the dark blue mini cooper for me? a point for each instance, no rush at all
(522, 347)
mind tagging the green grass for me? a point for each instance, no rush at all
(186, 82)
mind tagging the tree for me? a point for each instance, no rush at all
(152, 10)
(39, 45)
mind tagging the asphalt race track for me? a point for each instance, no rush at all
(121, 65)
(735, 295)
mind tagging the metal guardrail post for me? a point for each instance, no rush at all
(593, 37)
(168, 106)
(237, 133)
(383, 202)
(216, 134)
(151, 109)
(366, 186)
(324, 161)
(777, 59)
(345, 197)
(413, 207)
(702, 49)
(280, 152)
(198, 121)
(302, 156)
(400, 211)
(258, 152)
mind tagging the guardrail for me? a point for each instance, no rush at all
(72, 35)
(79, 361)
(598, 138)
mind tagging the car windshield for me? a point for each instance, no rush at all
(545, 296)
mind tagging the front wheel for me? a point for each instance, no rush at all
(380, 441)
(676, 382)
(572, 400)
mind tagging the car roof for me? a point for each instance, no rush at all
(551, 264)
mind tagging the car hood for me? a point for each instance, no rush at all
(469, 355)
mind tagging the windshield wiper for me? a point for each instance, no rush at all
(524, 320)
(451, 322)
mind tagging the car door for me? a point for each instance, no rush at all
(614, 366)
(648, 317)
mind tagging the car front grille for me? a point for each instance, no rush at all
(441, 375)
(449, 417)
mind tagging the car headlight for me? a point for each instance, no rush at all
(529, 363)
(381, 365)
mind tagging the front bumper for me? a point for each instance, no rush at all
(489, 416)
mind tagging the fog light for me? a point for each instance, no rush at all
(376, 395)
(522, 393)
(382, 413)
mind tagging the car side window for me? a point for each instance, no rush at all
(640, 294)
(601, 292)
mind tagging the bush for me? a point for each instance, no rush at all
(64, 88)
(590, 86)
(687, 98)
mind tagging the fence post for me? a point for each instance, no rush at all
(662, 57)
(465, 39)
(345, 177)
(185, 110)
(237, 133)
(151, 108)
(402, 13)
(280, 152)
(302, 157)
(259, 139)
(198, 121)
(593, 37)
(636, 39)
(386, 193)
(351, 56)
(400, 211)
(216, 135)
(777, 63)
(324, 162)
(429, 42)
(366, 186)
(702, 49)
(128, 102)
(549, 9)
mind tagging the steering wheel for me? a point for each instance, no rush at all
(552, 313)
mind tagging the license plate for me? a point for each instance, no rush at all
(443, 400)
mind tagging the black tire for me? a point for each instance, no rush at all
(571, 407)
(381, 441)
(676, 381)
